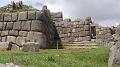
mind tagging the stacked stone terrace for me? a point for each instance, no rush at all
(26, 28)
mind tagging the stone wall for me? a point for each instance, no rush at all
(32, 26)
(104, 35)
(57, 17)
(74, 31)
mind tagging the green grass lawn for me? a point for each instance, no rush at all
(58, 58)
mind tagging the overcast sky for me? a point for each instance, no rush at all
(104, 12)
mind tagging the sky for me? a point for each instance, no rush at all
(104, 12)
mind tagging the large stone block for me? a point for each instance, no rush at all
(26, 25)
(11, 39)
(86, 27)
(23, 33)
(14, 16)
(7, 17)
(13, 33)
(31, 15)
(31, 46)
(3, 46)
(20, 41)
(4, 39)
(37, 25)
(4, 33)
(1, 25)
(22, 16)
(1, 17)
(37, 37)
(9, 26)
(17, 25)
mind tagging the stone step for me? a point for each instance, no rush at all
(81, 47)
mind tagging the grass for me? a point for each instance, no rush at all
(58, 58)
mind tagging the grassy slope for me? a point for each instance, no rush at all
(59, 58)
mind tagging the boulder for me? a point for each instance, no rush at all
(114, 56)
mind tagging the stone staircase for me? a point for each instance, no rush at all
(81, 45)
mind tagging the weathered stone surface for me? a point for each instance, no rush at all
(20, 41)
(22, 16)
(15, 47)
(31, 46)
(37, 26)
(9, 26)
(14, 16)
(40, 15)
(4, 38)
(11, 39)
(13, 33)
(31, 15)
(7, 17)
(1, 17)
(1, 25)
(37, 37)
(3, 46)
(86, 27)
(17, 25)
(23, 33)
(114, 56)
(4, 33)
(26, 25)
(4, 25)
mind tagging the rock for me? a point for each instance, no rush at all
(9, 65)
(23, 33)
(17, 25)
(40, 15)
(4, 39)
(31, 15)
(9, 26)
(3, 46)
(4, 33)
(1, 25)
(4, 25)
(26, 25)
(13, 33)
(7, 17)
(1, 17)
(37, 26)
(20, 41)
(22, 16)
(37, 37)
(11, 39)
(31, 46)
(114, 55)
(14, 16)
